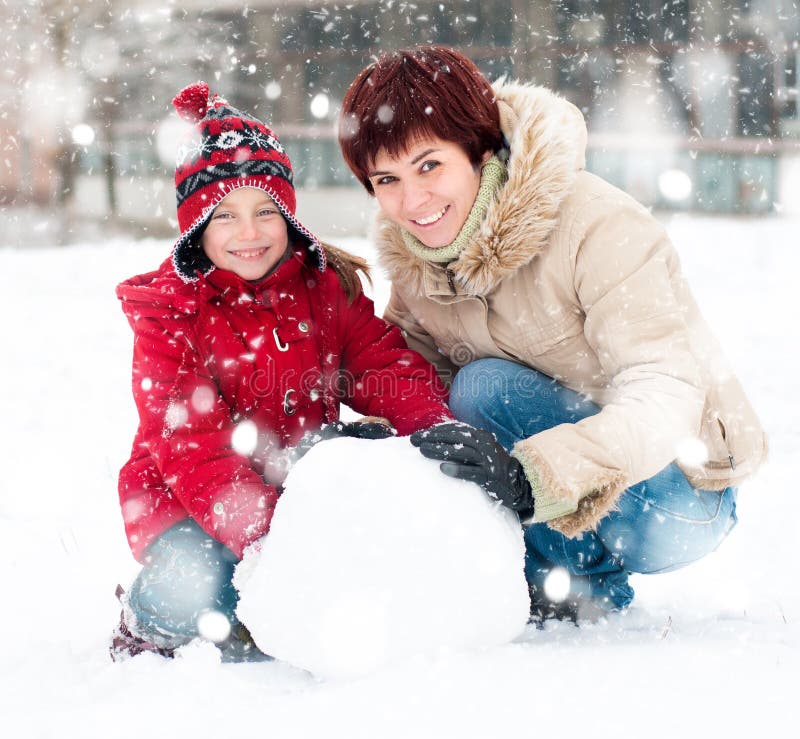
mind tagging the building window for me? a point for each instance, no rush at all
(755, 88)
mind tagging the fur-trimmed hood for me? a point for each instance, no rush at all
(547, 140)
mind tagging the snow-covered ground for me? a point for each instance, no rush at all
(711, 648)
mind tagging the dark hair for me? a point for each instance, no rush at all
(424, 91)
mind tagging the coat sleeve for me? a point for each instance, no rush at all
(187, 428)
(381, 376)
(418, 338)
(624, 274)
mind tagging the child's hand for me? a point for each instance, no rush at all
(368, 430)
(337, 429)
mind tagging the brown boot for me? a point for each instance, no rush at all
(125, 644)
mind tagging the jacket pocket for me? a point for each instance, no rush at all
(720, 456)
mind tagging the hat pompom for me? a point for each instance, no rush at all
(192, 102)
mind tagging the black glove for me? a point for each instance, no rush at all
(368, 430)
(475, 455)
(337, 429)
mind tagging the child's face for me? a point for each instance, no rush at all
(246, 234)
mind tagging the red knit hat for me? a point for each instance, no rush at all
(230, 150)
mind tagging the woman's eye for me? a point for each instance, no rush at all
(385, 180)
(429, 165)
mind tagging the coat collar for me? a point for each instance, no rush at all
(165, 289)
(547, 140)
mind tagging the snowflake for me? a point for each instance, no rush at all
(229, 140)
(265, 141)
(189, 152)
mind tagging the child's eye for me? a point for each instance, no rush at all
(218, 215)
(267, 212)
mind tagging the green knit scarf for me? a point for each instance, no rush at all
(493, 176)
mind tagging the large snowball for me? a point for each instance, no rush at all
(374, 556)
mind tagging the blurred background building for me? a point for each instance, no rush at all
(691, 105)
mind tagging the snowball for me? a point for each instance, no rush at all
(320, 105)
(176, 415)
(691, 452)
(203, 399)
(273, 90)
(214, 626)
(385, 114)
(556, 584)
(244, 438)
(375, 556)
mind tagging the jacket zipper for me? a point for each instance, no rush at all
(450, 280)
(725, 439)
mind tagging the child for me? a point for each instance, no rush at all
(245, 342)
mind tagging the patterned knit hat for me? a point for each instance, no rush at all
(230, 150)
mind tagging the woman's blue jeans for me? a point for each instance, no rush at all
(661, 524)
(186, 574)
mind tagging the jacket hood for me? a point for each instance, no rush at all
(546, 136)
(154, 292)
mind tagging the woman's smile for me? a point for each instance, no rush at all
(430, 220)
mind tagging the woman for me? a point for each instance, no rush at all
(554, 305)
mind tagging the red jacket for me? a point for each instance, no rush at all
(221, 365)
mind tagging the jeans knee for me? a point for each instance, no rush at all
(468, 396)
(654, 550)
(494, 390)
(482, 387)
(186, 574)
(664, 524)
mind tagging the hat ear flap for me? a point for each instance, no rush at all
(189, 257)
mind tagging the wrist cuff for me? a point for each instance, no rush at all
(545, 505)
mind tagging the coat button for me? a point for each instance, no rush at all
(219, 509)
(303, 326)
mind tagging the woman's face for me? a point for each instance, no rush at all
(428, 190)
(246, 234)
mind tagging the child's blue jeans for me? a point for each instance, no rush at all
(186, 574)
(661, 524)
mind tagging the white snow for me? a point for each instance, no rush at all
(359, 572)
(709, 649)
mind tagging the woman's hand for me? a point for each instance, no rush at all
(474, 454)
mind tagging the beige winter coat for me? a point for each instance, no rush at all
(574, 278)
